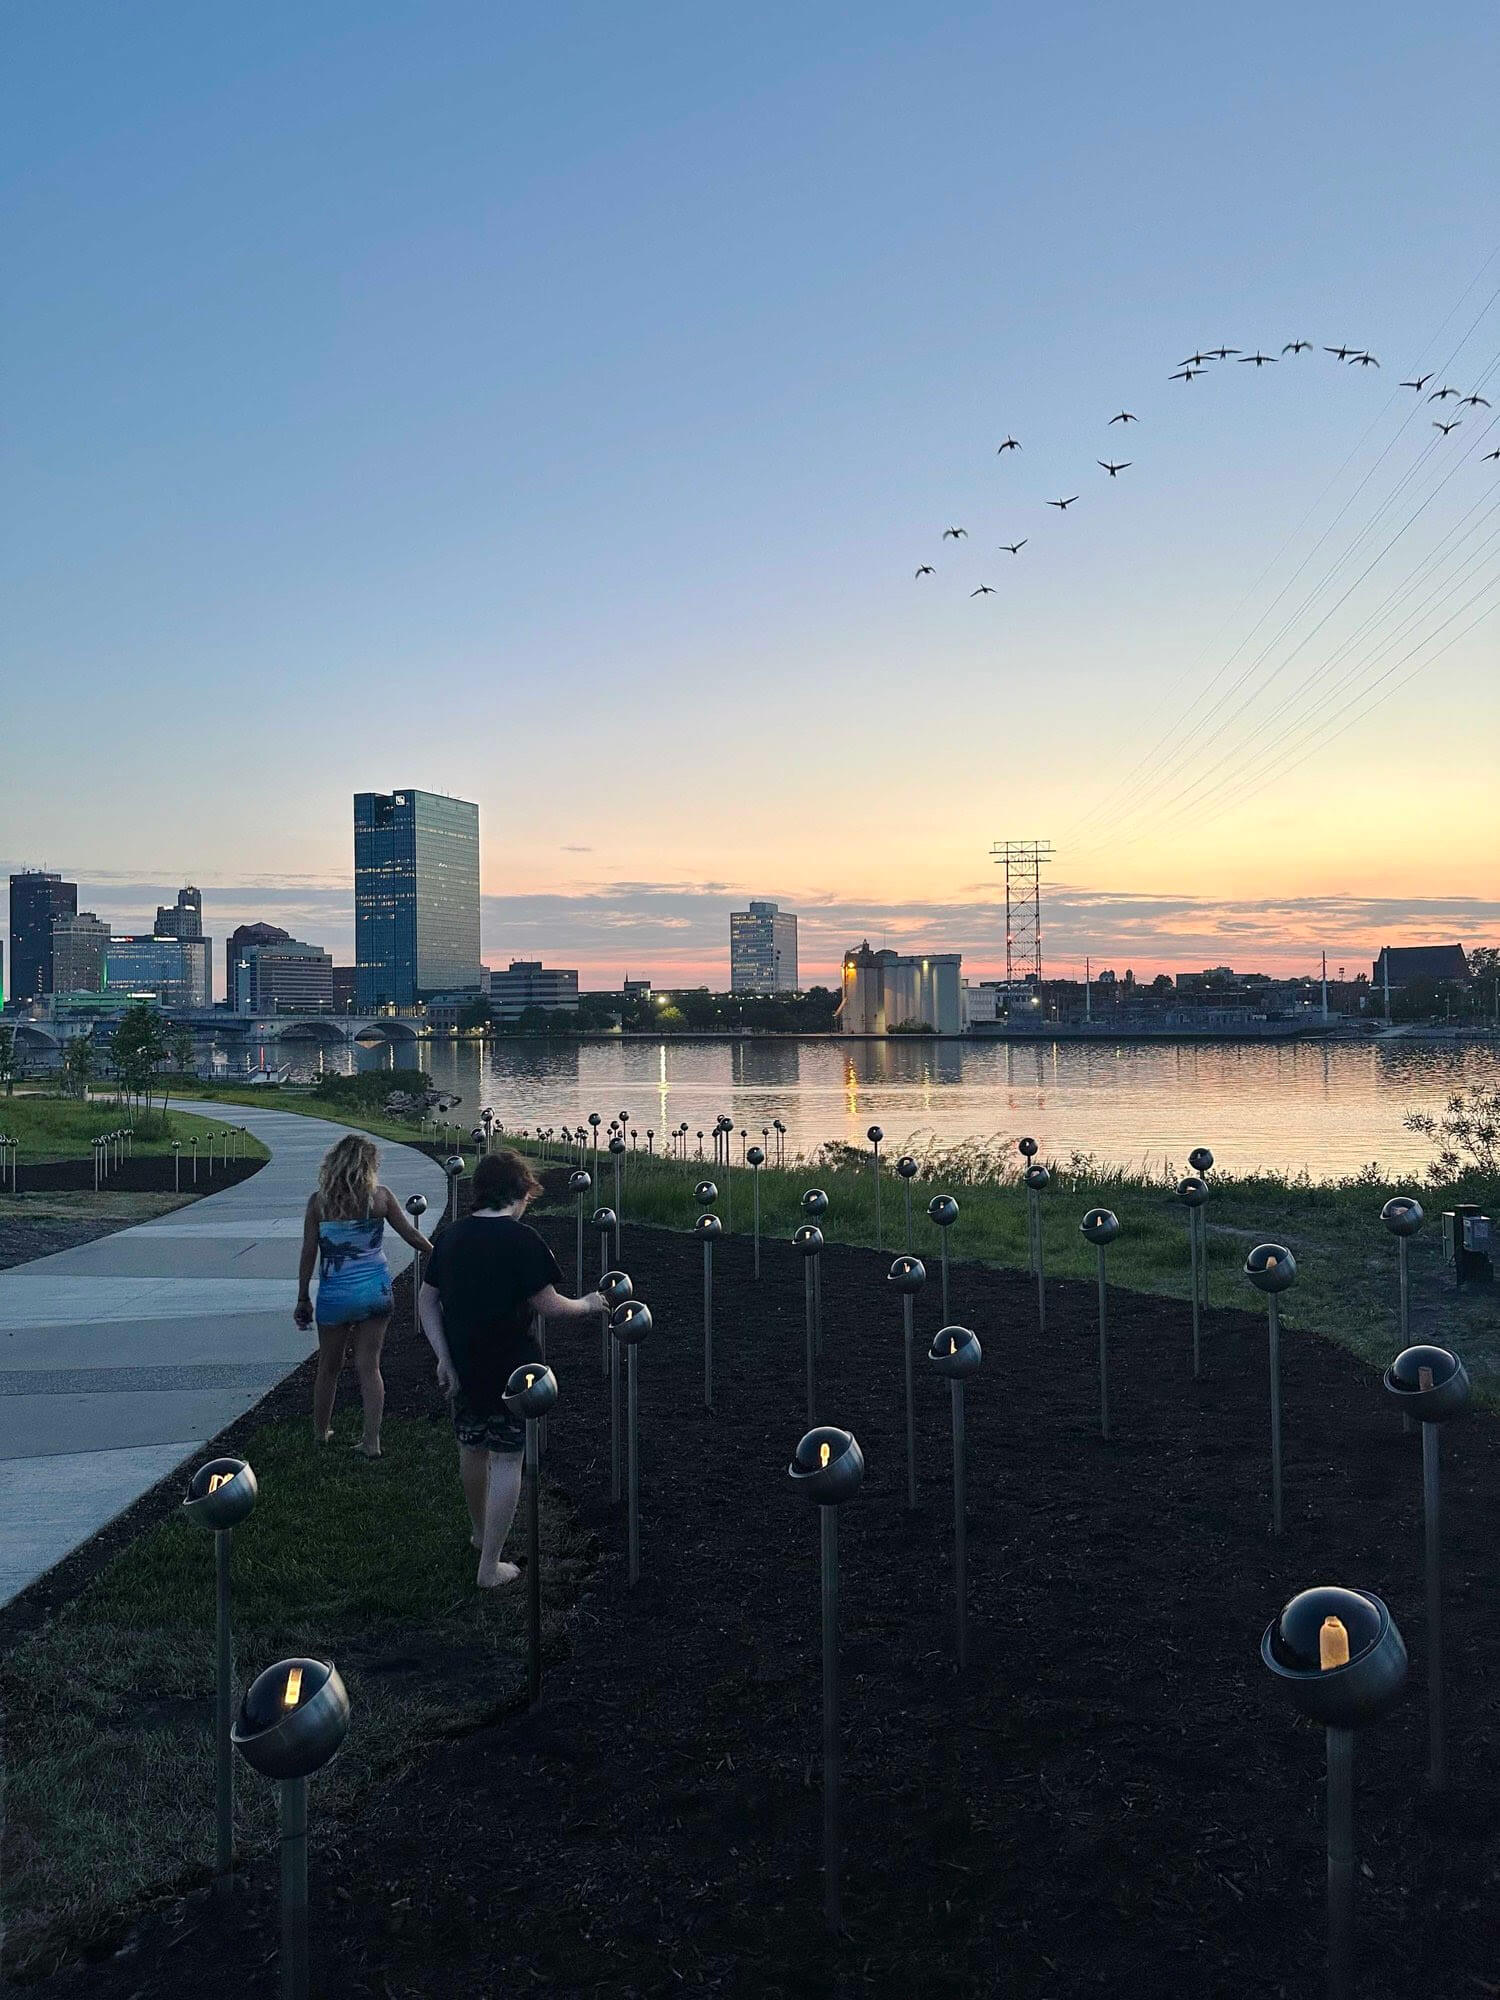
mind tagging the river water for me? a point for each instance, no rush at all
(1326, 1107)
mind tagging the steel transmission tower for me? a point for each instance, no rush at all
(1023, 862)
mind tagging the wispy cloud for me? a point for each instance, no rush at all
(678, 932)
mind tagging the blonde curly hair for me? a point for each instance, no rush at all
(348, 1178)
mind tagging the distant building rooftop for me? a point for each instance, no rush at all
(1409, 962)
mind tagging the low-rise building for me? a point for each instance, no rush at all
(887, 990)
(172, 971)
(282, 976)
(526, 982)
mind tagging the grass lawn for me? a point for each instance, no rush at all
(1346, 1261)
(109, 1708)
(63, 1128)
(283, 1097)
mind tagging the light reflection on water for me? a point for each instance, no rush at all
(1329, 1107)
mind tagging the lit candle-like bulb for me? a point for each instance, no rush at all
(218, 1479)
(823, 1453)
(1333, 1644)
(293, 1692)
(530, 1378)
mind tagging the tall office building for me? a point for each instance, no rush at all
(172, 971)
(184, 919)
(762, 950)
(37, 898)
(416, 897)
(79, 946)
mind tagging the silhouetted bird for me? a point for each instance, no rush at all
(1112, 470)
(1489, 455)
(1420, 383)
(1439, 395)
(1010, 444)
(1185, 375)
(1339, 353)
(954, 533)
(1260, 360)
(927, 570)
(1297, 347)
(1222, 353)
(1125, 417)
(984, 590)
(1365, 360)
(1474, 402)
(1445, 428)
(1063, 504)
(1195, 361)
(1015, 548)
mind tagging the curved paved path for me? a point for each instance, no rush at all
(120, 1358)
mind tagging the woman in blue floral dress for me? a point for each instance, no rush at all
(342, 1237)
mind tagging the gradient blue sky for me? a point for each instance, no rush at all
(552, 408)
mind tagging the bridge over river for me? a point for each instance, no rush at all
(332, 1030)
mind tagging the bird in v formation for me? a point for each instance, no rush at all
(1195, 365)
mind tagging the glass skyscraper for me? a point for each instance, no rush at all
(416, 897)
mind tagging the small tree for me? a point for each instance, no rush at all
(78, 1065)
(138, 1049)
(7, 1057)
(182, 1051)
(1468, 1134)
(476, 1015)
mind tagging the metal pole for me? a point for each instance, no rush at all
(818, 1298)
(908, 1233)
(533, 1565)
(1193, 1259)
(960, 1526)
(1203, 1255)
(907, 1335)
(579, 1286)
(809, 1282)
(1437, 1774)
(177, 1170)
(1273, 1323)
(223, 1699)
(832, 1843)
(755, 1183)
(708, 1323)
(614, 1421)
(635, 1469)
(1041, 1281)
(1405, 1317)
(618, 1158)
(1340, 1863)
(605, 1342)
(294, 1889)
(875, 1151)
(945, 1276)
(1031, 1229)
(1103, 1353)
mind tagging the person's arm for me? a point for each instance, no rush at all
(395, 1215)
(302, 1312)
(430, 1313)
(549, 1303)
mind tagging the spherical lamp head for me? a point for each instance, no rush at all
(1429, 1383)
(1100, 1225)
(1338, 1654)
(1402, 1215)
(942, 1210)
(293, 1719)
(221, 1493)
(531, 1390)
(955, 1352)
(827, 1466)
(1271, 1267)
(907, 1275)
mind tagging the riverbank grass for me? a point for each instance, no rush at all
(64, 1128)
(109, 1708)
(1346, 1260)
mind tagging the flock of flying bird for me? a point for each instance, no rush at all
(1188, 371)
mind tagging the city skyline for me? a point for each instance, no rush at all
(678, 934)
(321, 481)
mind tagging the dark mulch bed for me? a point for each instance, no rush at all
(1117, 1801)
(147, 1173)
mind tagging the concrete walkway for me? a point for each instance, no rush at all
(119, 1359)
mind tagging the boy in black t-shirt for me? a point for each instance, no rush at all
(488, 1278)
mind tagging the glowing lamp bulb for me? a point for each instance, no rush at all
(1333, 1644)
(218, 1479)
(530, 1378)
(293, 1692)
(823, 1453)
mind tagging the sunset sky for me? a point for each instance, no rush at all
(553, 407)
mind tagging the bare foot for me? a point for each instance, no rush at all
(497, 1578)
